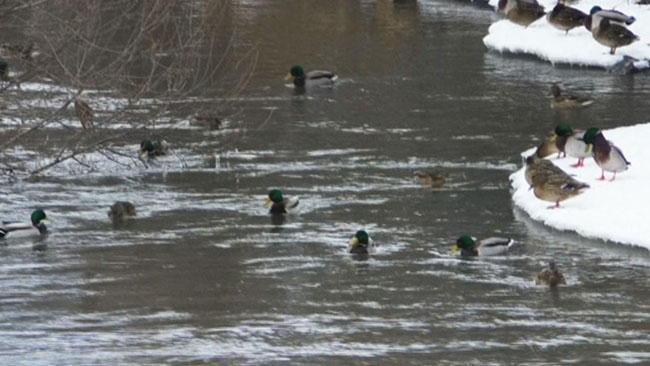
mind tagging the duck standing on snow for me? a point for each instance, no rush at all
(613, 35)
(153, 148)
(550, 276)
(486, 247)
(361, 243)
(301, 79)
(551, 183)
(608, 157)
(571, 144)
(563, 100)
(281, 204)
(546, 148)
(121, 210)
(565, 17)
(596, 14)
(25, 229)
(522, 12)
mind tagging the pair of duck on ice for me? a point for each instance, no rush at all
(607, 27)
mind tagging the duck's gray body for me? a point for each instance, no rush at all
(492, 246)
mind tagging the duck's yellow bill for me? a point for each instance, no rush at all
(288, 77)
(268, 201)
(142, 153)
(47, 220)
(587, 148)
(455, 249)
(354, 242)
(553, 138)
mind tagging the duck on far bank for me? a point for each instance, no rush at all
(550, 276)
(34, 228)
(522, 12)
(281, 204)
(361, 243)
(565, 17)
(559, 99)
(486, 247)
(301, 79)
(608, 157)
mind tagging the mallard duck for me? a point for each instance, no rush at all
(312, 78)
(429, 179)
(571, 144)
(550, 276)
(486, 247)
(565, 17)
(563, 100)
(551, 183)
(25, 229)
(361, 243)
(613, 35)
(84, 113)
(596, 14)
(608, 157)
(546, 148)
(122, 210)
(522, 12)
(4, 70)
(211, 122)
(280, 204)
(537, 168)
(153, 147)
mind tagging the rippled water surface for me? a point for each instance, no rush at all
(205, 276)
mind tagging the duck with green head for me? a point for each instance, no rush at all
(608, 157)
(281, 204)
(561, 100)
(25, 229)
(597, 14)
(361, 243)
(522, 12)
(301, 79)
(612, 34)
(153, 147)
(570, 143)
(468, 247)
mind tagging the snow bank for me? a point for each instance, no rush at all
(578, 47)
(613, 211)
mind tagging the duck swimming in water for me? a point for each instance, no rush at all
(550, 276)
(486, 247)
(361, 243)
(281, 204)
(301, 79)
(35, 228)
(122, 210)
(565, 100)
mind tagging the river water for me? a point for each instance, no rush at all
(205, 276)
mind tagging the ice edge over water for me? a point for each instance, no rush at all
(614, 211)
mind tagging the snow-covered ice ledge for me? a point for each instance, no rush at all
(578, 47)
(616, 211)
